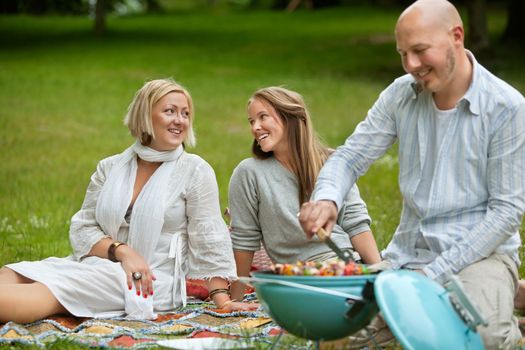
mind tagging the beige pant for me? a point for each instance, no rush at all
(491, 284)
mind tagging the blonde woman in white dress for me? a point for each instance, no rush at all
(150, 219)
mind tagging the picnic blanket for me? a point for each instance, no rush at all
(197, 319)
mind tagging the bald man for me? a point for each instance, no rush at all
(461, 136)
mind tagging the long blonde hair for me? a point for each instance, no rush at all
(307, 152)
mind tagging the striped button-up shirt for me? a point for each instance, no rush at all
(476, 196)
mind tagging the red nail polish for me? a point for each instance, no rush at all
(129, 287)
(151, 293)
(145, 296)
(138, 293)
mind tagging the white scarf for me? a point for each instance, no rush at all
(150, 205)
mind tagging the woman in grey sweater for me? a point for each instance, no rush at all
(266, 191)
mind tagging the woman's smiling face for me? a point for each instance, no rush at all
(171, 118)
(267, 128)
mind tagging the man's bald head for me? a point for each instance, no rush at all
(427, 22)
(439, 13)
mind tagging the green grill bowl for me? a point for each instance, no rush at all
(311, 314)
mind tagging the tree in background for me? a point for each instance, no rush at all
(41, 7)
(515, 31)
(294, 4)
(102, 7)
(152, 6)
(100, 26)
(478, 34)
(98, 9)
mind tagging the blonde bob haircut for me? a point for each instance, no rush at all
(138, 118)
(307, 152)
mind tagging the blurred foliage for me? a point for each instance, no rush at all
(99, 9)
(39, 7)
(75, 7)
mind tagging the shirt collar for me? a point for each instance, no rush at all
(416, 87)
(472, 94)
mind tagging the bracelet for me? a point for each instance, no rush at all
(111, 250)
(219, 291)
(226, 303)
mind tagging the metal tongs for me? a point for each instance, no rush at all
(344, 255)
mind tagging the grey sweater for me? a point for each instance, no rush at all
(263, 199)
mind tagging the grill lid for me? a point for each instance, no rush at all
(423, 315)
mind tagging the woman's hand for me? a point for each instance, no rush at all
(239, 306)
(134, 262)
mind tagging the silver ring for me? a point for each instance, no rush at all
(136, 276)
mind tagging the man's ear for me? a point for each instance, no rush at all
(458, 34)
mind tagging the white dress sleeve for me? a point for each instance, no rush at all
(210, 252)
(84, 231)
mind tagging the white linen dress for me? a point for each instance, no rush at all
(194, 243)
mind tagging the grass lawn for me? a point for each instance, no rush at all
(64, 92)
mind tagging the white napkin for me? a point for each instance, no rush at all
(138, 307)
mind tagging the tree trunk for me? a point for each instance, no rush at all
(515, 30)
(153, 6)
(36, 7)
(478, 32)
(100, 17)
(294, 4)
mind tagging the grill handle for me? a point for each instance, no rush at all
(335, 293)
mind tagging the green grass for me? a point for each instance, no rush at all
(64, 92)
